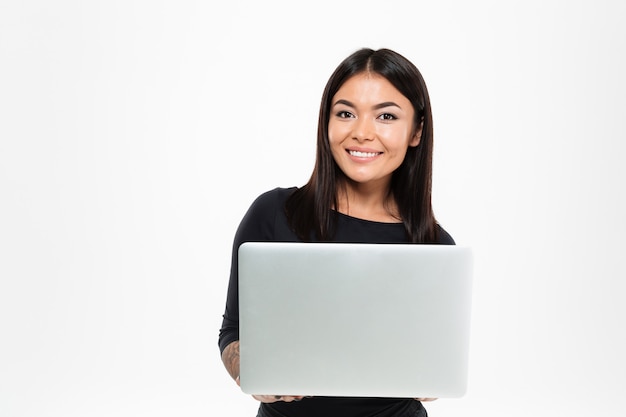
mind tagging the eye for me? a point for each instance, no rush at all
(387, 116)
(344, 114)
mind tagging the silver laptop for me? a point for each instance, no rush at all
(337, 319)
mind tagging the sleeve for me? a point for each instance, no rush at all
(256, 225)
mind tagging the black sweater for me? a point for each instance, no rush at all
(266, 221)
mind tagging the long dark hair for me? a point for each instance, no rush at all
(309, 208)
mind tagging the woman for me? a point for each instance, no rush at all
(371, 184)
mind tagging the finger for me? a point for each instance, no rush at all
(425, 399)
(275, 398)
(290, 398)
(267, 398)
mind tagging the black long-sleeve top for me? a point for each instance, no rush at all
(266, 221)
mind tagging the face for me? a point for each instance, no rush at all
(370, 129)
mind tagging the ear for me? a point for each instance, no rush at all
(417, 136)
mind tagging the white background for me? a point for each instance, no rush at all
(134, 135)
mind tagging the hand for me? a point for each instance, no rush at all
(274, 398)
(425, 399)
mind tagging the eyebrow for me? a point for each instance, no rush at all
(376, 107)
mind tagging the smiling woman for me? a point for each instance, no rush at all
(371, 184)
(371, 128)
(406, 197)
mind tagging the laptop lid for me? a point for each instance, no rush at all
(338, 319)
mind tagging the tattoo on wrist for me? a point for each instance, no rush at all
(230, 357)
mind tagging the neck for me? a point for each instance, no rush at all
(367, 203)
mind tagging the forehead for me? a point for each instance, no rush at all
(369, 87)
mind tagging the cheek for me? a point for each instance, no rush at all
(398, 150)
(338, 131)
(333, 133)
(395, 140)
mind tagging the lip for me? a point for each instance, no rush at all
(363, 154)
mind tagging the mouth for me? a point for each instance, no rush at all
(359, 154)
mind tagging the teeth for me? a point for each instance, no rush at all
(363, 154)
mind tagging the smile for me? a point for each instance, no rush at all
(359, 154)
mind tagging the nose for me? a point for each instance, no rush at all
(363, 129)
